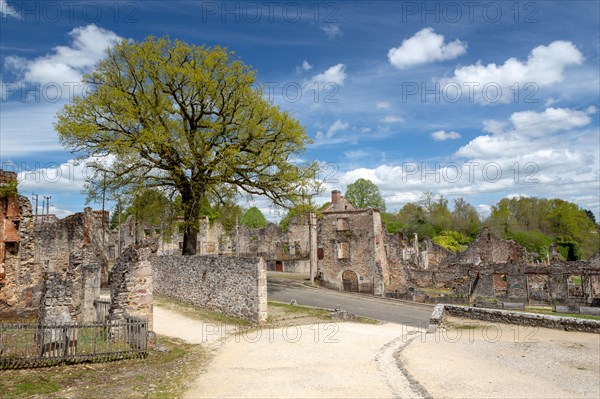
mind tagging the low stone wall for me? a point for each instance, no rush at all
(510, 317)
(234, 286)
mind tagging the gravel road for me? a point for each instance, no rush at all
(351, 360)
(325, 360)
(505, 361)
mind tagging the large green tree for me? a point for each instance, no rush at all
(364, 193)
(254, 218)
(186, 118)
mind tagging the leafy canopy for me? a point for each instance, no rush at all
(254, 218)
(186, 118)
(364, 193)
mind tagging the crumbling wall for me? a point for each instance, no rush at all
(69, 298)
(20, 276)
(55, 240)
(234, 286)
(56, 305)
(350, 243)
(132, 284)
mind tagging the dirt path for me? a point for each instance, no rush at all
(505, 361)
(348, 360)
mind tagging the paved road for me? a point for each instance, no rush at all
(380, 309)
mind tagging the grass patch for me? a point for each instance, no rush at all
(437, 291)
(196, 313)
(280, 314)
(301, 310)
(160, 375)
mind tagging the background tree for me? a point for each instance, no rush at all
(465, 218)
(254, 218)
(229, 214)
(414, 218)
(185, 118)
(364, 193)
(536, 222)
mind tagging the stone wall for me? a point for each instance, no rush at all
(495, 268)
(352, 246)
(132, 284)
(56, 239)
(511, 317)
(69, 298)
(234, 286)
(20, 276)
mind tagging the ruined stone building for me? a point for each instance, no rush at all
(356, 253)
(351, 248)
(36, 255)
(19, 277)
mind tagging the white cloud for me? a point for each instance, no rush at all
(335, 75)
(424, 47)
(335, 127)
(551, 120)
(544, 67)
(356, 154)
(382, 105)
(8, 10)
(332, 30)
(65, 63)
(484, 210)
(442, 135)
(392, 119)
(306, 66)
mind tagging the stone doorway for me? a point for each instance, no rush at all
(350, 281)
(278, 266)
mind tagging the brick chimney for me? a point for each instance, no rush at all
(335, 196)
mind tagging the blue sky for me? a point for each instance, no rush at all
(477, 100)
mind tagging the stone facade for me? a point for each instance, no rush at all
(234, 286)
(20, 276)
(132, 285)
(356, 254)
(69, 298)
(287, 251)
(56, 239)
(351, 248)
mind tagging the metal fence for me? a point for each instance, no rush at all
(34, 345)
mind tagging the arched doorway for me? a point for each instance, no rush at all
(350, 281)
(278, 266)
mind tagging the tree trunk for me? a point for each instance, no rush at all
(191, 215)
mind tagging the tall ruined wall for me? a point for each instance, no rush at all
(489, 249)
(396, 279)
(69, 298)
(348, 242)
(132, 285)
(20, 275)
(55, 240)
(234, 286)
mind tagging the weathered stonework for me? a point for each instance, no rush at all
(234, 286)
(69, 298)
(132, 284)
(495, 268)
(20, 276)
(511, 317)
(56, 239)
(351, 246)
